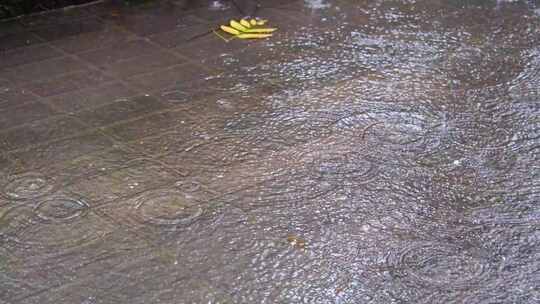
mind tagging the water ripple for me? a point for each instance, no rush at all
(60, 208)
(27, 186)
(166, 207)
(56, 222)
(441, 265)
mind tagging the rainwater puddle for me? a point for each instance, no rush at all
(371, 152)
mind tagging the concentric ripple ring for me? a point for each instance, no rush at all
(438, 264)
(27, 186)
(167, 207)
(61, 208)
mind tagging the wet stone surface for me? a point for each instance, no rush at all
(370, 152)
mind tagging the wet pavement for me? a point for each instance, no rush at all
(369, 152)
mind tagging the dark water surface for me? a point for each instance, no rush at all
(371, 152)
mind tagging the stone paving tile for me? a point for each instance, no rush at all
(209, 47)
(228, 82)
(117, 52)
(28, 112)
(131, 211)
(177, 131)
(148, 125)
(244, 58)
(10, 41)
(98, 159)
(147, 63)
(69, 14)
(167, 77)
(28, 54)
(165, 142)
(180, 36)
(43, 70)
(62, 30)
(44, 267)
(39, 132)
(68, 82)
(121, 110)
(184, 94)
(100, 265)
(133, 177)
(111, 173)
(148, 24)
(92, 97)
(52, 154)
(10, 97)
(105, 37)
(11, 287)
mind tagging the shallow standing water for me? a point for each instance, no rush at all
(370, 152)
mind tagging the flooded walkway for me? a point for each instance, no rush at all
(370, 152)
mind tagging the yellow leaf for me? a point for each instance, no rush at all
(253, 36)
(238, 26)
(245, 23)
(261, 30)
(245, 30)
(230, 30)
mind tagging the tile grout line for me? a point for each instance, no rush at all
(31, 147)
(92, 129)
(89, 130)
(100, 129)
(127, 84)
(62, 113)
(95, 68)
(158, 47)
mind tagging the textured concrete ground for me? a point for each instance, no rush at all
(369, 152)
